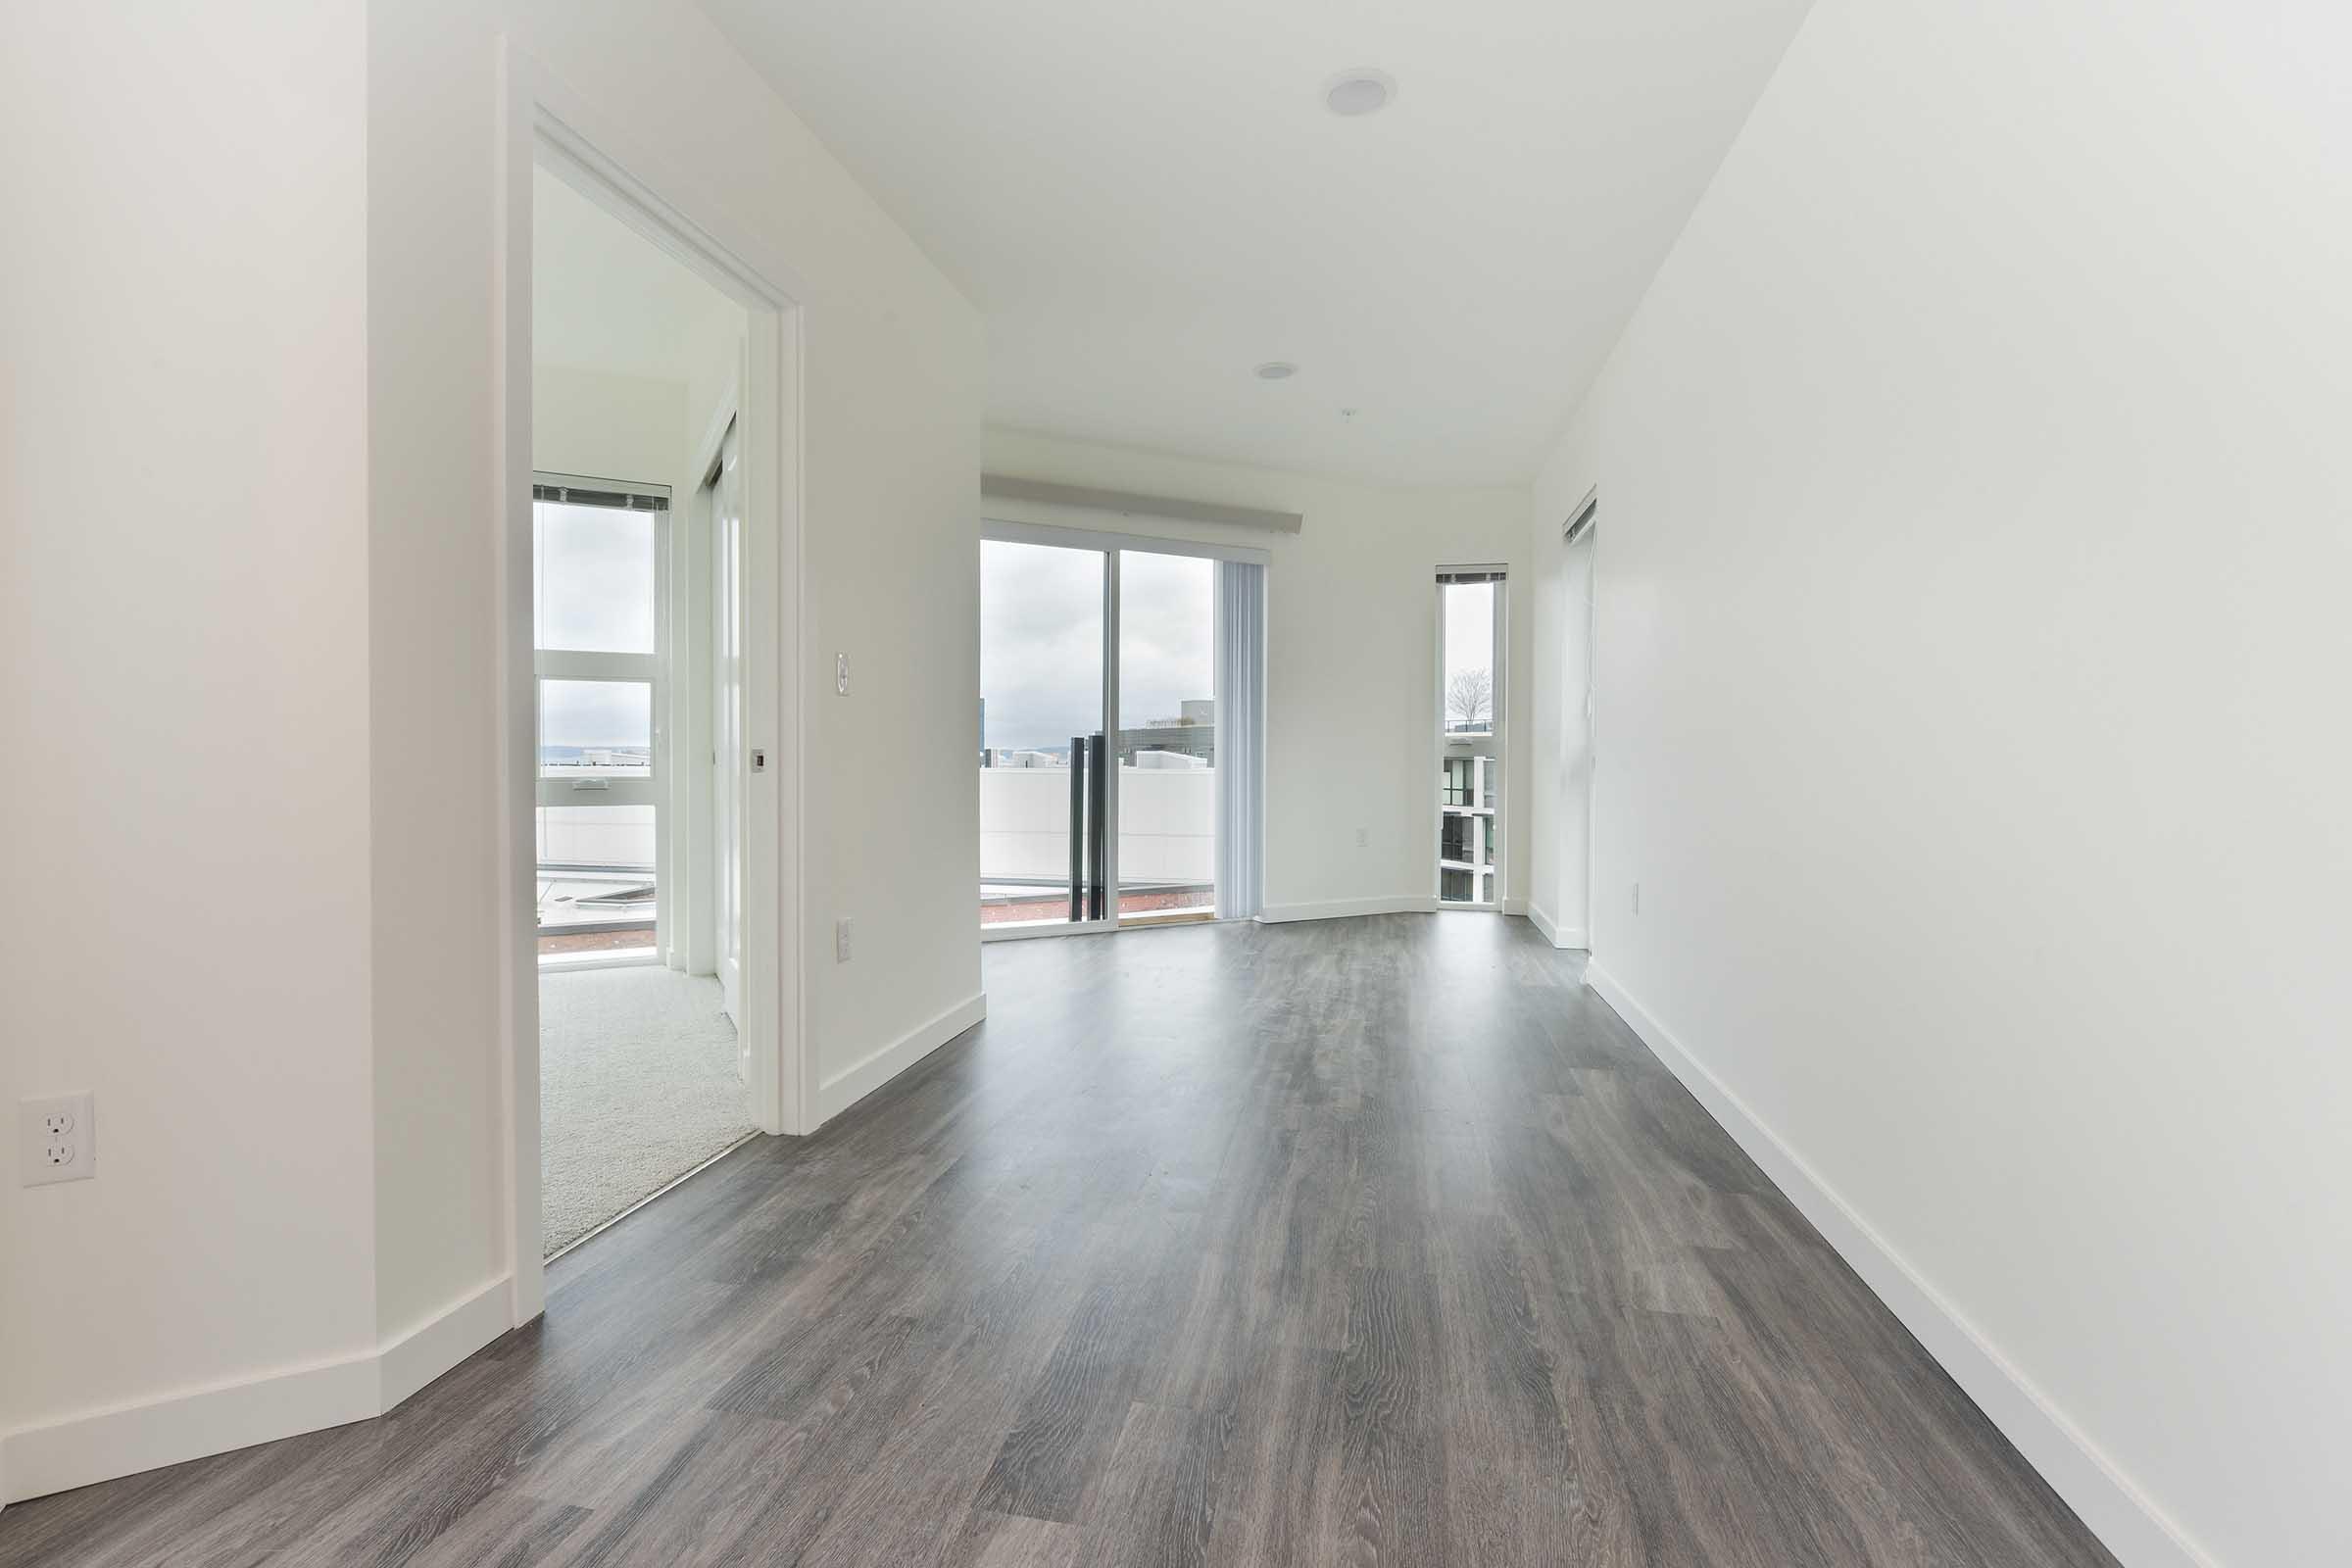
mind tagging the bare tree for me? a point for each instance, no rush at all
(1469, 699)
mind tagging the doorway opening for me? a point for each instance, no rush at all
(1471, 834)
(637, 614)
(1120, 731)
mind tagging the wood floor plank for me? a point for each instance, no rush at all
(1362, 1241)
(506, 1530)
(1001, 1540)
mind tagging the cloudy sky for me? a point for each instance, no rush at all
(594, 594)
(1041, 640)
(1469, 627)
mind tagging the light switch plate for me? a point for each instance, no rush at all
(57, 1138)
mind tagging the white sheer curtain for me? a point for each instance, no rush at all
(1240, 739)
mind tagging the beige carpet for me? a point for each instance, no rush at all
(637, 1087)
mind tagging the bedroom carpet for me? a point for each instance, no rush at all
(637, 1087)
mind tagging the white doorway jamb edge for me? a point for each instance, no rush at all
(541, 123)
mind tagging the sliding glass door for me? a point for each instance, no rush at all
(1121, 716)
(1167, 739)
(1044, 615)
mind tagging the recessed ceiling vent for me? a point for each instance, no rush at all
(1358, 92)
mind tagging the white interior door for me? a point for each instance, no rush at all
(726, 731)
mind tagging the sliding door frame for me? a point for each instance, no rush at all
(1105, 718)
(1109, 543)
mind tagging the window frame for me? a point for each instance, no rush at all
(580, 664)
(1487, 864)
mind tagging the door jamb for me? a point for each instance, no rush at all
(541, 123)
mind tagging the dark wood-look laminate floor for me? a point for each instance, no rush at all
(1365, 1242)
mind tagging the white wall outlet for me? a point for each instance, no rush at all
(1636, 897)
(841, 940)
(57, 1138)
(1363, 838)
(840, 675)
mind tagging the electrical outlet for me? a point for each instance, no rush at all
(841, 940)
(1363, 838)
(57, 1140)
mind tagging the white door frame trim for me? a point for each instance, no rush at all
(542, 124)
(1505, 901)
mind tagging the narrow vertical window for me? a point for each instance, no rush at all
(1470, 737)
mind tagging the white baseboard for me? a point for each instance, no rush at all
(414, 1359)
(2124, 1517)
(1569, 937)
(853, 1083)
(1348, 908)
(122, 1440)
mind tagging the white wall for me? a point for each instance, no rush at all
(892, 397)
(622, 426)
(1351, 651)
(183, 618)
(251, 524)
(1973, 657)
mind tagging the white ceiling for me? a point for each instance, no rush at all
(1146, 200)
(604, 298)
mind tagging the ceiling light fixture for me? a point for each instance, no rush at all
(1276, 371)
(1358, 92)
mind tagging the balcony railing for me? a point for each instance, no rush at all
(596, 876)
(1167, 819)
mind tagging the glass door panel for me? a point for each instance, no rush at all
(1042, 614)
(1166, 746)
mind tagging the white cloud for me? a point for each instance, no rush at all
(1041, 640)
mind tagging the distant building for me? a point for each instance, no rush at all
(1192, 733)
(1466, 862)
(1010, 757)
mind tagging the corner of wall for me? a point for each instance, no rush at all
(845, 1087)
(103, 1445)
(2124, 1518)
